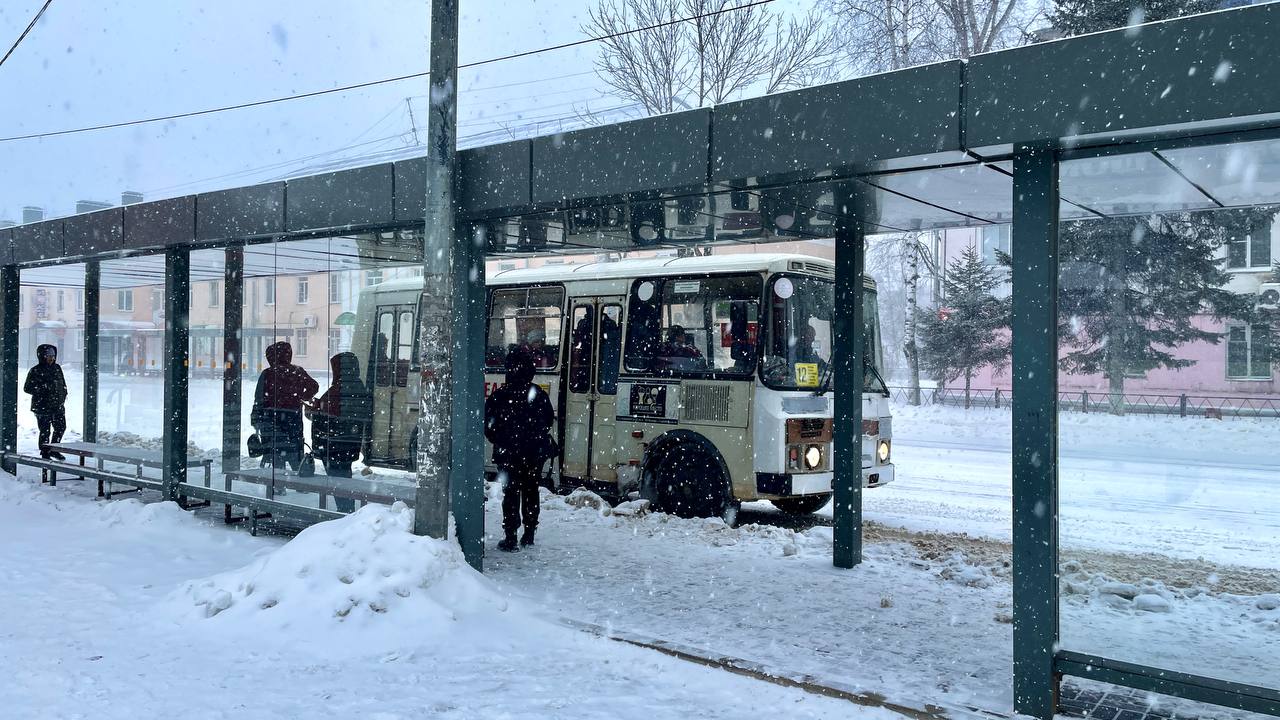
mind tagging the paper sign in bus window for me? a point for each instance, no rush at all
(807, 374)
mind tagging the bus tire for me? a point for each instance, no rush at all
(685, 476)
(801, 505)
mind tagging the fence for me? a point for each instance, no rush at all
(1183, 405)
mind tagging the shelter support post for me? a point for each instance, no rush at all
(177, 332)
(232, 355)
(846, 364)
(1035, 430)
(92, 311)
(10, 290)
(467, 422)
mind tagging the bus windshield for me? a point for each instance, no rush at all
(798, 343)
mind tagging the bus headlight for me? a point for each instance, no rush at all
(882, 451)
(813, 457)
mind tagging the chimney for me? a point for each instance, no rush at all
(87, 206)
(130, 197)
(31, 214)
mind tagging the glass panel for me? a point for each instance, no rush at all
(207, 363)
(581, 347)
(1167, 517)
(131, 352)
(610, 349)
(51, 317)
(528, 318)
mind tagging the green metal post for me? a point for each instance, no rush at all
(10, 289)
(846, 364)
(177, 333)
(467, 410)
(232, 356)
(1035, 430)
(92, 308)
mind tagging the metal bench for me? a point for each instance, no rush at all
(138, 458)
(362, 491)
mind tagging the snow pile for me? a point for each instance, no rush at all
(367, 572)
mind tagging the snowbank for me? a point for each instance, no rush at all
(364, 578)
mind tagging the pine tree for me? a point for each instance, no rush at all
(1131, 287)
(1076, 17)
(966, 332)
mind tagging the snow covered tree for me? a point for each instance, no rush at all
(966, 332)
(1131, 289)
(1076, 17)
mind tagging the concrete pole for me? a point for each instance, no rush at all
(435, 451)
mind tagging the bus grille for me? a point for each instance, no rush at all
(706, 402)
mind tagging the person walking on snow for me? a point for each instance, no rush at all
(517, 420)
(48, 391)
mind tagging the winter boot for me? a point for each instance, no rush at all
(508, 544)
(527, 537)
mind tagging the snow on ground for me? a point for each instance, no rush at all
(102, 619)
(919, 621)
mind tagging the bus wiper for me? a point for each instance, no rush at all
(825, 384)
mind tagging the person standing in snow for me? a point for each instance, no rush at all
(340, 421)
(277, 406)
(517, 420)
(48, 391)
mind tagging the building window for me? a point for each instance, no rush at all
(124, 300)
(215, 294)
(335, 288)
(61, 301)
(1252, 250)
(304, 290)
(300, 342)
(373, 277)
(79, 341)
(995, 240)
(335, 341)
(269, 291)
(1248, 352)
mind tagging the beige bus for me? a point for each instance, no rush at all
(698, 382)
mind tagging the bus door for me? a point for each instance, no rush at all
(591, 387)
(395, 407)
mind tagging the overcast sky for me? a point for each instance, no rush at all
(90, 62)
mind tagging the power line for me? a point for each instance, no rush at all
(23, 36)
(358, 86)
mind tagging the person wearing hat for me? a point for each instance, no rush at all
(517, 420)
(48, 390)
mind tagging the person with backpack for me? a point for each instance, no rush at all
(48, 390)
(340, 421)
(277, 406)
(517, 419)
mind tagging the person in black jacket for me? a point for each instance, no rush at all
(340, 421)
(517, 420)
(48, 391)
(277, 406)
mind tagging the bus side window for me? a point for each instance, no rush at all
(610, 349)
(382, 349)
(404, 348)
(582, 342)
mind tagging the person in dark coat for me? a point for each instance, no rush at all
(517, 419)
(340, 421)
(48, 391)
(277, 406)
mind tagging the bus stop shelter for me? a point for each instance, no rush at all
(1145, 120)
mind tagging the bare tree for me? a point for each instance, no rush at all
(881, 35)
(977, 26)
(901, 265)
(719, 50)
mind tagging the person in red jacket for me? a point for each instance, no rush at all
(277, 406)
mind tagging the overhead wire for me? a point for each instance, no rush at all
(24, 33)
(369, 83)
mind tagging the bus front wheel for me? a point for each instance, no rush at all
(801, 505)
(689, 482)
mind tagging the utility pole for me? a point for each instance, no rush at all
(435, 322)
